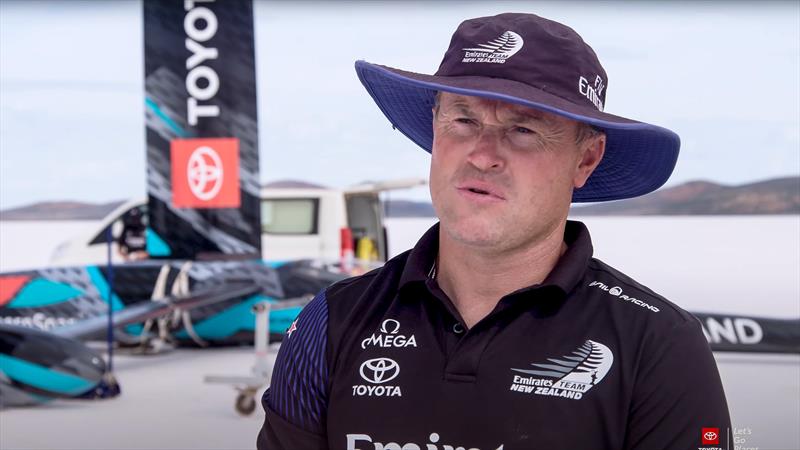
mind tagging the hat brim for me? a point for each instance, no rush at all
(639, 157)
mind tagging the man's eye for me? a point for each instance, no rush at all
(523, 130)
(465, 120)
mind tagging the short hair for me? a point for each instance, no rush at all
(586, 132)
(436, 100)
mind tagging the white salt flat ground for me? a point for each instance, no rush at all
(164, 405)
(747, 265)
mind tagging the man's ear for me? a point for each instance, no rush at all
(591, 153)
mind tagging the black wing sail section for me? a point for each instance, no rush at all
(95, 327)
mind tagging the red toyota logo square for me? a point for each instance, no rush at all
(710, 436)
(205, 173)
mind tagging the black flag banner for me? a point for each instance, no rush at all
(202, 133)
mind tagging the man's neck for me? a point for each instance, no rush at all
(475, 280)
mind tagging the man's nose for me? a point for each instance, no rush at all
(485, 154)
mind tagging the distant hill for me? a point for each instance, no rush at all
(776, 196)
(407, 208)
(60, 210)
(292, 184)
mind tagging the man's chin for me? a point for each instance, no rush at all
(473, 231)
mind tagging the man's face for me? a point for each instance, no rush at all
(502, 175)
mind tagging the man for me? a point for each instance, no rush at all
(498, 330)
(131, 240)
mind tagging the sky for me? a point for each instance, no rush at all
(723, 75)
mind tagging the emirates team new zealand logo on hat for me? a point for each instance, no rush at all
(496, 51)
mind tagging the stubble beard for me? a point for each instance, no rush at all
(494, 231)
(481, 228)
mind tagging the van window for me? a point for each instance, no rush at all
(116, 225)
(289, 216)
(365, 220)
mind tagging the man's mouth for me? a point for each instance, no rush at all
(481, 189)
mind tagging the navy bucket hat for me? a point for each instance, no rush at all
(531, 61)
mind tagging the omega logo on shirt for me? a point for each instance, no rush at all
(388, 337)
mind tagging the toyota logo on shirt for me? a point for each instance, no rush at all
(379, 370)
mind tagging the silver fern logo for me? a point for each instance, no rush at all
(570, 376)
(496, 51)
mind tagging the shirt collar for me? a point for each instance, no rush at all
(421, 260)
(566, 274)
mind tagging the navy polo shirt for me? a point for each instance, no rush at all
(588, 359)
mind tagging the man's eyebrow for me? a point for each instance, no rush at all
(460, 107)
(529, 117)
(532, 116)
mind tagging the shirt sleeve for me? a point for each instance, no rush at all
(678, 393)
(296, 401)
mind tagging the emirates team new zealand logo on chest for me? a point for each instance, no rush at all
(570, 376)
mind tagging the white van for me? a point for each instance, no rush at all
(298, 221)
